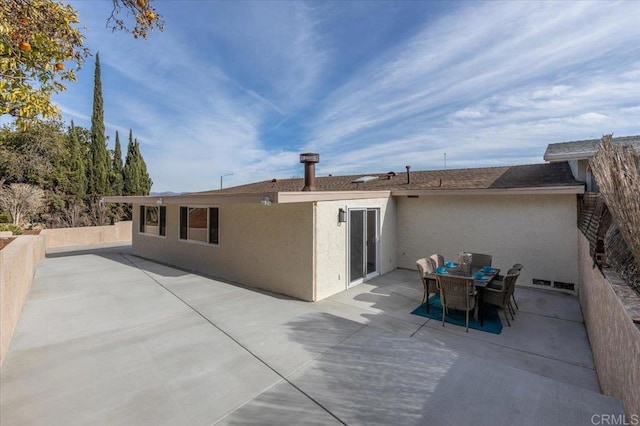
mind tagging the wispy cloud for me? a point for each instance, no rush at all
(243, 87)
(492, 74)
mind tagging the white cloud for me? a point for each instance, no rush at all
(488, 94)
(487, 83)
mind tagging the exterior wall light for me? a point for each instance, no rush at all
(266, 201)
(159, 201)
(342, 216)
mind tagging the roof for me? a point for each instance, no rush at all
(524, 176)
(546, 178)
(583, 150)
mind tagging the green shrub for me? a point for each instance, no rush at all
(4, 217)
(11, 227)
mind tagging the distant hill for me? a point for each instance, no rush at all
(165, 193)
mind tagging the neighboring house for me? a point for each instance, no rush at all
(578, 153)
(314, 243)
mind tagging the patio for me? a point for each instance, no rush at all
(111, 338)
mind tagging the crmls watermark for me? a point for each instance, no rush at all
(615, 419)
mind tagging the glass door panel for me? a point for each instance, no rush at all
(356, 244)
(372, 241)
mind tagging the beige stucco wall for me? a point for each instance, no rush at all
(614, 338)
(332, 241)
(264, 247)
(18, 262)
(538, 231)
(89, 235)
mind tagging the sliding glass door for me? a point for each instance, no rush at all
(363, 244)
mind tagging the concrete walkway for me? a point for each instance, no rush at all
(109, 338)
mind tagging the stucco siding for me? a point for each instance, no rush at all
(331, 242)
(538, 231)
(264, 247)
(614, 338)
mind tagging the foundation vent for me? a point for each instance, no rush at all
(564, 286)
(538, 281)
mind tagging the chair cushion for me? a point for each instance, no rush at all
(495, 284)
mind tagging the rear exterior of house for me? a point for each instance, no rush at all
(296, 248)
(312, 244)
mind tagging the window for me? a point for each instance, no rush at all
(199, 224)
(153, 220)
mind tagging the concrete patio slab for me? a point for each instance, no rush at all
(388, 379)
(536, 363)
(109, 338)
(372, 319)
(281, 405)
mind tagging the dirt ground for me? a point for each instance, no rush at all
(4, 242)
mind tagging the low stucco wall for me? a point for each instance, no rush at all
(614, 338)
(88, 235)
(270, 248)
(18, 262)
(538, 231)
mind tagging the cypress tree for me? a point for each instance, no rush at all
(99, 183)
(77, 176)
(130, 174)
(117, 168)
(145, 179)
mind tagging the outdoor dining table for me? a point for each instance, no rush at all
(479, 284)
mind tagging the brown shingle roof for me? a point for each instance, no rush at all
(525, 176)
(576, 150)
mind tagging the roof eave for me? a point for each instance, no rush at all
(544, 190)
(274, 197)
(552, 158)
(191, 199)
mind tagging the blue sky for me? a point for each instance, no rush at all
(245, 87)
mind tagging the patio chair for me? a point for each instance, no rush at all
(501, 297)
(438, 259)
(426, 270)
(517, 266)
(497, 284)
(478, 260)
(456, 293)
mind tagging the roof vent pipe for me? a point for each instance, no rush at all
(408, 174)
(309, 159)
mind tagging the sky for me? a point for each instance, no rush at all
(245, 87)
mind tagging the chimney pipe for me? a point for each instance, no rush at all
(408, 174)
(309, 159)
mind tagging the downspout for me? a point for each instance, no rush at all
(314, 262)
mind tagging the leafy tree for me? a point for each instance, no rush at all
(20, 200)
(37, 38)
(99, 175)
(41, 48)
(139, 12)
(117, 168)
(33, 154)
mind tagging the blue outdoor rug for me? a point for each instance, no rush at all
(492, 323)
